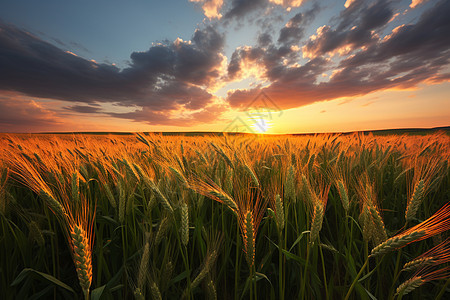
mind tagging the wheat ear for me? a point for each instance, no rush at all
(54, 204)
(417, 263)
(397, 242)
(437, 223)
(316, 222)
(416, 200)
(184, 223)
(409, 285)
(82, 256)
(143, 266)
(279, 212)
(344, 195)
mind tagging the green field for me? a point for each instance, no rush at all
(151, 216)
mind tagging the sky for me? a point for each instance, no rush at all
(261, 66)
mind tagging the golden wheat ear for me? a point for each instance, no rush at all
(422, 276)
(437, 255)
(437, 223)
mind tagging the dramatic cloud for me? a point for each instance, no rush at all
(410, 55)
(144, 115)
(85, 109)
(241, 8)
(292, 33)
(413, 46)
(211, 8)
(416, 3)
(168, 77)
(367, 46)
(364, 22)
(267, 60)
(288, 3)
(18, 114)
(294, 29)
(348, 3)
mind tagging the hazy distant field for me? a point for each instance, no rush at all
(226, 217)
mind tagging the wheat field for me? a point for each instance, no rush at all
(150, 216)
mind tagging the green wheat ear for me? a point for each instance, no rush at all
(53, 204)
(344, 195)
(143, 266)
(82, 257)
(409, 285)
(416, 200)
(397, 242)
(184, 223)
(279, 212)
(249, 238)
(316, 223)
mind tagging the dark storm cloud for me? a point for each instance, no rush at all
(357, 27)
(264, 39)
(413, 45)
(85, 109)
(163, 78)
(294, 29)
(290, 35)
(410, 55)
(270, 57)
(240, 8)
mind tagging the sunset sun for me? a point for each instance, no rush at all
(261, 125)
